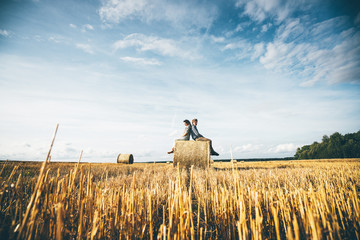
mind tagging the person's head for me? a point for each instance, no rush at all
(194, 121)
(186, 122)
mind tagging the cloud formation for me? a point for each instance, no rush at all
(161, 46)
(259, 10)
(85, 47)
(141, 61)
(87, 27)
(283, 148)
(307, 50)
(4, 33)
(178, 13)
(248, 148)
(338, 63)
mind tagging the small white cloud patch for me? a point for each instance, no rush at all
(85, 47)
(247, 148)
(283, 148)
(162, 46)
(87, 27)
(141, 61)
(4, 33)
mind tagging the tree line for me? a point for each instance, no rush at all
(335, 146)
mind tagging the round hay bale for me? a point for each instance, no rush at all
(125, 158)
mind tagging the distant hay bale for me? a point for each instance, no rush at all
(125, 158)
(187, 153)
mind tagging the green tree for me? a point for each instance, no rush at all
(335, 146)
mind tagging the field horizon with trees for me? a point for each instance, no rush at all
(335, 146)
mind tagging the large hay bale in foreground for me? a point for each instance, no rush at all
(125, 158)
(187, 153)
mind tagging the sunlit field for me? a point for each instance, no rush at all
(312, 199)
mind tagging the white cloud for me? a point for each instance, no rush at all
(323, 34)
(340, 63)
(259, 10)
(58, 39)
(83, 28)
(310, 52)
(117, 10)
(141, 61)
(290, 30)
(4, 33)
(178, 13)
(87, 27)
(266, 27)
(313, 52)
(217, 39)
(162, 46)
(239, 28)
(255, 11)
(247, 148)
(245, 49)
(239, 44)
(85, 47)
(283, 148)
(259, 49)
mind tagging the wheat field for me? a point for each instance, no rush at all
(313, 199)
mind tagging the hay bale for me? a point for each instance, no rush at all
(125, 158)
(187, 153)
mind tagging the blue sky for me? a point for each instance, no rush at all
(263, 77)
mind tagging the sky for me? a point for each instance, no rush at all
(263, 77)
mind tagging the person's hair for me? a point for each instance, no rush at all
(194, 120)
(186, 121)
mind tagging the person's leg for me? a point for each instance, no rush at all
(212, 151)
(172, 150)
(202, 139)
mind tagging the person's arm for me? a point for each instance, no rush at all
(192, 133)
(187, 129)
(194, 130)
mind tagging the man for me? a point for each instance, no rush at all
(198, 137)
(185, 136)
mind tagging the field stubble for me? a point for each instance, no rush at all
(259, 200)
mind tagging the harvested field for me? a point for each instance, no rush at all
(258, 200)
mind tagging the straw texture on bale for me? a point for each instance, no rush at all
(125, 158)
(187, 153)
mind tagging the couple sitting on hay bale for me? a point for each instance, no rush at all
(193, 131)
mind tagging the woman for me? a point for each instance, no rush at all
(185, 136)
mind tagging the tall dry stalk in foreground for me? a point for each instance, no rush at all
(294, 201)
